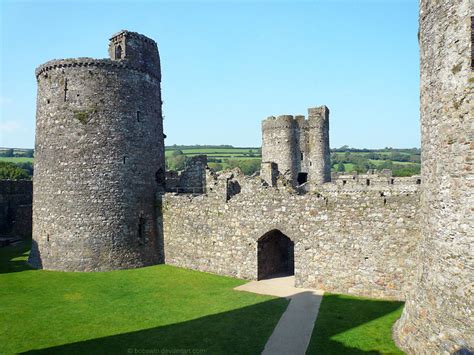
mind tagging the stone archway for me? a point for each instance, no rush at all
(275, 255)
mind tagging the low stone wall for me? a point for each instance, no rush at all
(15, 207)
(357, 242)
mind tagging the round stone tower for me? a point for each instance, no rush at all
(438, 316)
(280, 144)
(318, 153)
(99, 159)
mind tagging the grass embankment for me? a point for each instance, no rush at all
(159, 308)
(355, 325)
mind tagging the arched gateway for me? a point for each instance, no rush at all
(275, 254)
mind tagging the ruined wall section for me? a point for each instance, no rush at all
(193, 177)
(99, 144)
(346, 241)
(438, 315)
(15, 208)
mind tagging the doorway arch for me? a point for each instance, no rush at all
(275, 255)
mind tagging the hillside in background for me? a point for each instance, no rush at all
(403, 162)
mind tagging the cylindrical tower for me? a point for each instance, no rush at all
(438, 317)
(319, 155)
(99, 159)
(280, 145)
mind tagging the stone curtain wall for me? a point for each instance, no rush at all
(99, 146)
(15, 208)
(438, 316)
(358, 243)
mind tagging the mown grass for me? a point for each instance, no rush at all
(355, 325)
(158, 308)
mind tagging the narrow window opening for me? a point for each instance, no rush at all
(392, 181)
(118, 52)
(418, 181)
(384, 201)
(301, 156)
(344, 182)
(48, 101)
(472, 42)
(47, 237)
(368, 182)
(141, 229)
(65, 90)
(160, 177)
(124, 159)
(138, 116)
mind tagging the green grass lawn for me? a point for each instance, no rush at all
(355, 325)
(16, 159)
(158, 308)
(379, 162)
(165, 309)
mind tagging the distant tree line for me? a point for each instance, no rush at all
(20, 153)
(12, 171)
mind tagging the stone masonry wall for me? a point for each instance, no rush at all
(347, 241)
(439, 313)
(15, 207)
(99, 148)
(280, 145)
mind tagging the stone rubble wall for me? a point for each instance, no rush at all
(193, 177)
(359, 242)
(439, 313)
(15, 207)
(98, 153)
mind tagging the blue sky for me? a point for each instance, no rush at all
(226, 65)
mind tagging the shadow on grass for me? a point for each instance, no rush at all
(13, 258)
(340, 315)
(240, 331)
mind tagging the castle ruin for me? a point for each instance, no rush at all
(101, 200)
(298, 147)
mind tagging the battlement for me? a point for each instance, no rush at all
(279, 122)
(125, 33)
(318, 112)
(91, 63)
(127, 50)
(297, 121)
(135, 48)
